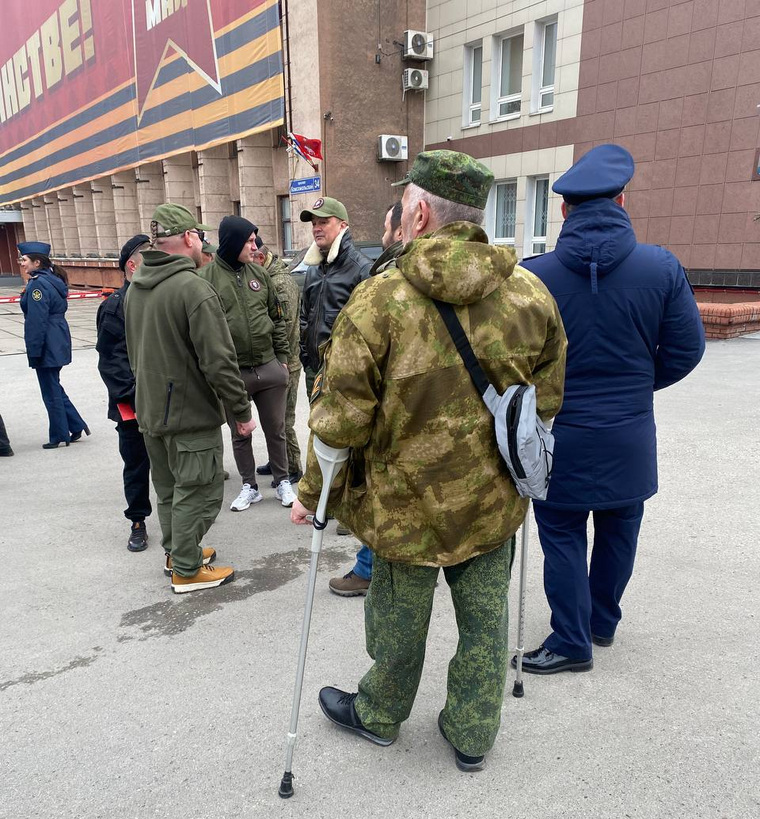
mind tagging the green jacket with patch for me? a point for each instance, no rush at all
(180, 349)
(253, 313)
(425, 483)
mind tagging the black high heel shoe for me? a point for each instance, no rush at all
(75, 436)
(54, 444)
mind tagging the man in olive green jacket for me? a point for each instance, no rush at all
(258, 331)
(181, 353)
(426, 486)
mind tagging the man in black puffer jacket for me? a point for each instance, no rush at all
(335, 268)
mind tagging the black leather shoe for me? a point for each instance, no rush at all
(465, 763)
(294, 477)
(602, 641)
(338, 707)
(75, 436)
(138, 537)
(543, 661)
(264, 469)
(54, 444)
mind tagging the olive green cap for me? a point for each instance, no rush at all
(451, 175)
(209, 248)
(325, 206)
(170, 220)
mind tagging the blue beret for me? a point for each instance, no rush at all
(602, 173)
(25, 248)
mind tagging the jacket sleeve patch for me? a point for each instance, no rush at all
(37, 294)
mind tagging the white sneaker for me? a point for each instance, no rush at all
(247, 496)
(285, 493)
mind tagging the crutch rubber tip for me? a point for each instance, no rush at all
(517, 690)
(286, 786)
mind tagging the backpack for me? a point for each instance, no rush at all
(525, 442)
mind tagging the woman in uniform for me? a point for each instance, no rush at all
(48, 340)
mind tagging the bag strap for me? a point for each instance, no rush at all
(456, 331)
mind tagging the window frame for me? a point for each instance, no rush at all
(286, 225)
(470, 106)
(540, 89)
(504, 240)
(531, 238)
(500, 41)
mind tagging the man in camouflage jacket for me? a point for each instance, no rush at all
(426, 487)
(290, 302)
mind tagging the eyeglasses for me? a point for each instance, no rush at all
(201, 233)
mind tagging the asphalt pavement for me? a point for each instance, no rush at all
(120, 699)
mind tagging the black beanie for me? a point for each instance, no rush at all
(234, 232)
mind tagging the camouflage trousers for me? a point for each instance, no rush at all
(397, 615)
(294, 451)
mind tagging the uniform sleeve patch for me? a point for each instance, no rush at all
(37, 295)
(316, 390)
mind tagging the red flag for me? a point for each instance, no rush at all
(310, 148)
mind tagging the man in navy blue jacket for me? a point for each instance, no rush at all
(633, 327)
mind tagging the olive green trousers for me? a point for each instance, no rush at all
(397, 616)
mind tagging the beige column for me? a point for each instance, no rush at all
(179, 181)
(69, 230)
(149, 179)
(27, 214)
(104, 213)
(126, 211)
(53, 214)
(256, 179)
(41, 231)
(85, 216)
(214, 183)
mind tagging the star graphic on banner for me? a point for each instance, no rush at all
(183, 25)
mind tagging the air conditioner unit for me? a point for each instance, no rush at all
(415, 79)
(418, 45)
(392, 148)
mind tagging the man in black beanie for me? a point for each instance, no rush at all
(113, 364)
(258, 330)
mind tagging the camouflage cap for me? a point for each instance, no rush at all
(325, 206)
(171, 220)
(451, 175)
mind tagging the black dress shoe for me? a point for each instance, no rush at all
(602, 641)
(543, 661)
(138, 537)
(264, 469)
(465, 763)
(338, 707)
(6, 453)
(54, 444)
(75, 436)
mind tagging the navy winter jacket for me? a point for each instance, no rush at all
(46, 331)
(632, 327)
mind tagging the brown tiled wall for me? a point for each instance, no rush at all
(676, 82)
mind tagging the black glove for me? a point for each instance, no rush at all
(35, 362)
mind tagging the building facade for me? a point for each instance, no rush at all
(342, 66)
(529, 86)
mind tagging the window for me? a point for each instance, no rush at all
(506, 212)
(539, 203)
(548, 44)
(474, 85)
(510, 81)
(286, 224)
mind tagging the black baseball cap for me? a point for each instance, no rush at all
(130, 247)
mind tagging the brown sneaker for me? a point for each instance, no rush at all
(209, 556)
(207, 577)
(350, 585)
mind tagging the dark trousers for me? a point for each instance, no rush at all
(586, 599)
(62, 414)
(268, 387)
(136, 471)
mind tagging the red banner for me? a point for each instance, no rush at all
(88, 87)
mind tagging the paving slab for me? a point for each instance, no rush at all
(119, 699)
